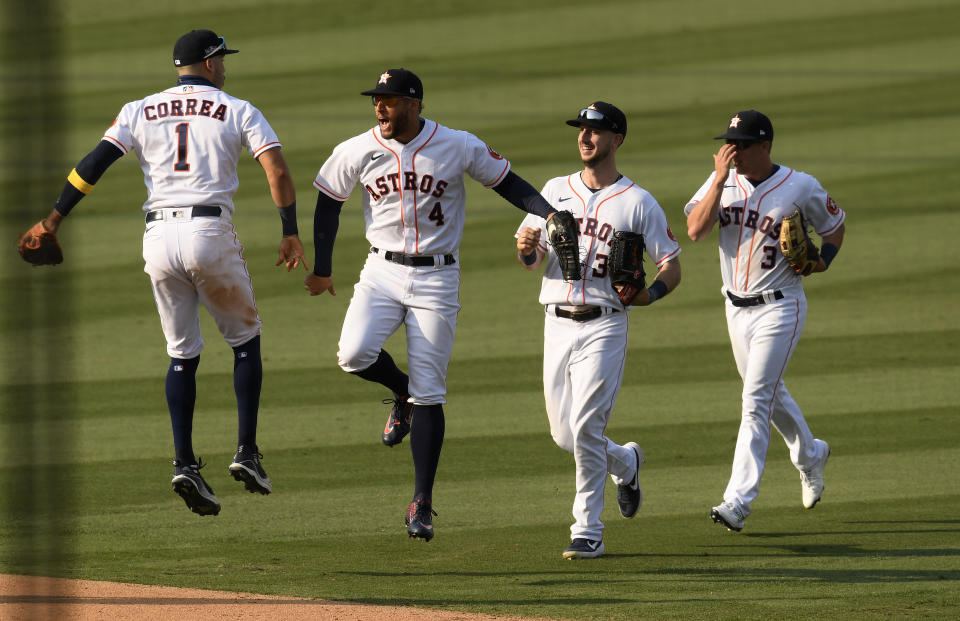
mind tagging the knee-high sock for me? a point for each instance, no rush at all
(426, 440)
(384, 371)
(247, 380)
(181, 389)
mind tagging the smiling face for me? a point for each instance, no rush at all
(398, 117)
(596, 145)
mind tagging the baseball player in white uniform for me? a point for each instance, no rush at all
(585, 325)
(411, 174)
(765, 303)
(188, 139)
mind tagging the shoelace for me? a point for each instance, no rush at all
(399, 404)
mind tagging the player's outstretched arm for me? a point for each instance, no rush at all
(703, 216)
(524, 196)
(528, 251)
(668, 277)
(285, 198)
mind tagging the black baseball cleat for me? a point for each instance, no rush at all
(246, 467)
(629, 494)
(419, 520)
(398, 423)
(581, 547)
(193, 489)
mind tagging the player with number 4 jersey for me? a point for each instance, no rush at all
(410, 171)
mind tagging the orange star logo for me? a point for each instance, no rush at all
(735, 121)
(384, 77)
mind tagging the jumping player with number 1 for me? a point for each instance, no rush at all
(410, 171)
(188, 139)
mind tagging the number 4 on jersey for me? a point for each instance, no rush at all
(436, 214)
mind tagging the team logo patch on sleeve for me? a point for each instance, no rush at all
(494, 154)
(832, 206)
(670, 234)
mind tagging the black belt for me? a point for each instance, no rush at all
(412, 260)
(196, 211)
(755, 300)
(584, 315)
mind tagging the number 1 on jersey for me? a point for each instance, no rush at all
(182, 134)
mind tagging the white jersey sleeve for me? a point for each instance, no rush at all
(482, 163)
(339, 174)
(188, 140)
(821, 211)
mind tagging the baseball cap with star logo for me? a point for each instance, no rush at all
(199, 45)
(397, 82)
(748, 125)
(601, 115)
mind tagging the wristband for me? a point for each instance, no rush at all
(657, 290)
(529, 259)
(828, 252)
(288, 219)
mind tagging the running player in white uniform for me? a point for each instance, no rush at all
(765, 304)
(188, 139)
(585, 328)
(411, 174)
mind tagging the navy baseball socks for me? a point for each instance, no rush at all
(426, 442)
(247, 382)
(385, 371)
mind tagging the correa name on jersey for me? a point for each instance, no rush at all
(185, 107)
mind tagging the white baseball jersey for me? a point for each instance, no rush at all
(749, 226)
(622, 206)
(188, 139)
(413, 194)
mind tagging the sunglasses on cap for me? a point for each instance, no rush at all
(743, 144)
(593, 115)
(213, 49)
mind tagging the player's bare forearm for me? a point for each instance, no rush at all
(278, 176)
(669, 275)
(52, 222)
(835, 239)
(703, 216)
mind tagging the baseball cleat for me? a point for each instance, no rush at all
(811, 481)
(193, 489)
(398, 423)
(246, 467)
(729, 515)
(583, 548)
(419, 520)
(629, 495)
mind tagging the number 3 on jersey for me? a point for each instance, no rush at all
(436, 214)
(183, 134)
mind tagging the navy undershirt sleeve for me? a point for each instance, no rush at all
(90, 169)
(326, 221)
(523, 195)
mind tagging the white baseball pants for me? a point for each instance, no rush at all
(425, 300)
(582, 372)
(193, 261)
(764, 338)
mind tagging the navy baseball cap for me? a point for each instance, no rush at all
(601, 115)
(400, 82)
(748, 125)
(199, 45)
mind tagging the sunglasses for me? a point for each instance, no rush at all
(211, 51)
(743, 144)
(387, 100)
(592, 115)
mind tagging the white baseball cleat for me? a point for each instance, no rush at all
(811, 481)
(729, 515)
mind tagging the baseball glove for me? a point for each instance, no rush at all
(796, 246)
(39, 246)
(626, 265)
(563, 236)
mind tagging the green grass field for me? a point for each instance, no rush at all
(862, 94)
